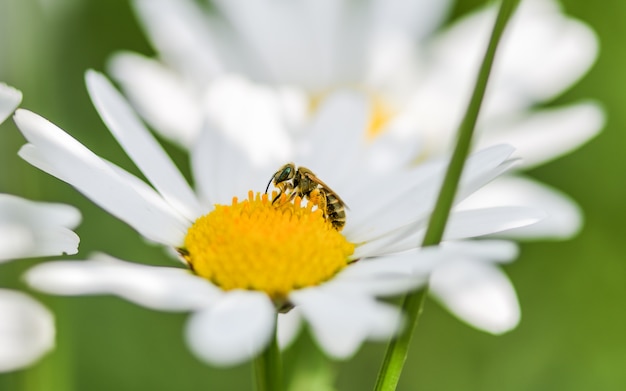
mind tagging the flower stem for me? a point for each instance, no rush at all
(267, 367)
(398, 348)
(413, 303)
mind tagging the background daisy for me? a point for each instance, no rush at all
(417, 81)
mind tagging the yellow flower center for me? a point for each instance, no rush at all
(380, 113)
(257, 245)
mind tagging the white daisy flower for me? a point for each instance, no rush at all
(417, 82)
(28, 229)
(249, 257)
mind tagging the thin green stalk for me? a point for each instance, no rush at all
(267, 367)
(413, 304)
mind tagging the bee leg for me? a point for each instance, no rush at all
(322, 204)
(280, 192)
(318, 198)
(283, 187)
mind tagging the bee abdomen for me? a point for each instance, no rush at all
(338, 224)
(335, 212)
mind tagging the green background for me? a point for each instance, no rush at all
(572, 334)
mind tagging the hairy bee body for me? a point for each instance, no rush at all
(335, 210)
(303, 183)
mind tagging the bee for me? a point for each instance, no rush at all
(304, 183)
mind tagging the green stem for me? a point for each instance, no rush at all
(413, 303)
(267, 367)
(398, 348)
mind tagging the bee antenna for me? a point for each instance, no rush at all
(268, 185)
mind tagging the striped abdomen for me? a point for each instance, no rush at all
(335, 210)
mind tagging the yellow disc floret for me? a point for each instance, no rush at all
(380, 114)
(271, 247)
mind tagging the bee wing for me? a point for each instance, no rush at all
(315, 179)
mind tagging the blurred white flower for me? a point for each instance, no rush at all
(248, 258)
(10, 98)
(26, 330)
(416, 75)
(28, 229)
(35, 229)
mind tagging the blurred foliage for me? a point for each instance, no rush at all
(572, 293)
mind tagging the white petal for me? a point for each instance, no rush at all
(288, 327)
(384, 286)
(542, 53)
(26, 330)
(160, 96)
(234, 330)
(32, 229)
(479, 222)
(410, 262)
(16, 241)
(396, 147)
(478, 293)
(290, 39)
(376, 216)
(210, 147)
(544, 135)
(563, 217)
(53, 241)
(10, 98)
(142, 188)
(235, 174)
(179, 30)
(386, 321)
(315, 27)
(340, 324)
(397, 26)
(250, 115)
(375, 210)
(55, 152)
(337, 131)
(545, 51)
(159, 288)
(461, 225)
(488, 250)
(141, 146)
(411, 18)
(349, 30)
(389, 275)
(16, 209)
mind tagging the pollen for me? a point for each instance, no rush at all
(257, 245)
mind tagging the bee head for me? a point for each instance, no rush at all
(286, 172)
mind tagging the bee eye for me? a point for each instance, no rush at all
(285, 174)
